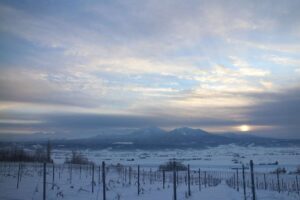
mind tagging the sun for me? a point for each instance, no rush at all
(244, 128)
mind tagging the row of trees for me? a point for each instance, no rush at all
(17, 154)
(41, 154)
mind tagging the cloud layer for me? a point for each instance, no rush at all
(95, 64)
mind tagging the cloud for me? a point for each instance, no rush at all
(73, 122)
(285, 61)
(278, 110)
(108, 61)
(246, 69)
(30, 86)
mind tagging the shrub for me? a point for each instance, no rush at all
(169, 166)
(77, 158)
(279, 170)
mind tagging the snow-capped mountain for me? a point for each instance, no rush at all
(154, 137)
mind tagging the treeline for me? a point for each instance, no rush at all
(16, 154)
(77, 158)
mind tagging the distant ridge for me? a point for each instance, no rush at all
(157, 138)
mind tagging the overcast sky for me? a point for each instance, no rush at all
(87, 65)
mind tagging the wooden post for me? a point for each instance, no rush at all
(233, 180)
(44, 182)
(209, 179)
(174, 181)
(70, 173)
(237, 180)
(265, 182)
(19, 171)
(138, 180)
(205, 178)
(278, 182)
(150, 176)
(244, 182)
(189, 181)
(125, 174)
(297, 185)
(199, 174)
(177, 177)
(53, 176)
(252, 181)
(80, 171)
(99, 174)
(129, 175)
(59, 172)
(103, 180)
(93, 169)
(192, 179)
(164, 177)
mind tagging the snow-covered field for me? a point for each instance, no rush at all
(218, 179)
(222, 157)
(75, 182)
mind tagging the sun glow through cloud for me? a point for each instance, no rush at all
(244, 128)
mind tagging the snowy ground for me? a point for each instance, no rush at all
(75, 182)
(218, 158)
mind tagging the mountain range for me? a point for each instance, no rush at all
(156, 138)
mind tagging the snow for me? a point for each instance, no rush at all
(216, 158)
(75, 182)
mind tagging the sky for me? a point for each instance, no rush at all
(85, 66)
